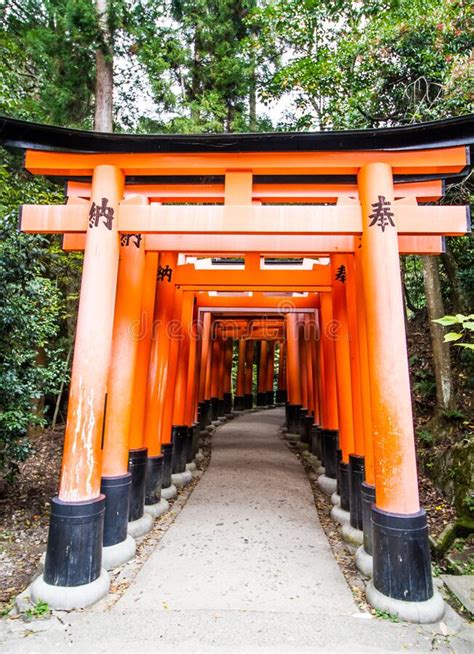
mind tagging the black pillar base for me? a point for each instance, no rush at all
(137, 462)
(301, 418)
(338, 476)
(74, 550)
(261, 398)
(179, 437)
(270, 399)
(220, 407)
(214, 408)
(248, 400)
(189, 445)
(227, 403)
(306, 427)
(154, 479)
(196, 436)
(117, 492)
(316, 441)
(281, 396)
(209, 413)
(401, 555)
(167, 451)
(239, 403)
(356, 478)
(368, 499)
(202, 414)
(344, 486)
(330, 441)
(293, 418)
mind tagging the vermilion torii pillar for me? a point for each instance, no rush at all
(157, 392)
(293, 373)
(204, 399)
(181, 433)
(344, 384)
(328, 436)
(122, 488)
(74, 552)
(139, 435)
(402, 582)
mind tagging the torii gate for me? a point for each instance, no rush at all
(378, 180)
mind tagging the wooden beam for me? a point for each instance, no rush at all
(274, 220)
(403, 162)
(427, 191)
(188, 276)
(198, 244)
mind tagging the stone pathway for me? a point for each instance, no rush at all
(246, 566)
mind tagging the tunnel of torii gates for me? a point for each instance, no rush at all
(204, 250)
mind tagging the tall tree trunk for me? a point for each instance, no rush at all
(441, 355)
(451, 267)
(104, 83)
(253, 103)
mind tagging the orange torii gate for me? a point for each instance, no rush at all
(355, 195)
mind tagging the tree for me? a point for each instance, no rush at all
(104, 76)
(368, 64)
(200, 70)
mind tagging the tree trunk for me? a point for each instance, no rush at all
(441, 355)
(104, 83)
(451, 267)
(253, 103)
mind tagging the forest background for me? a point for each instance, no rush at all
(196, 66)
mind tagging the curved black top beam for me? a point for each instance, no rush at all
(438, 134)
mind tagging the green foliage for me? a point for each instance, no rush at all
(370, 63)
(386, 615)
(31, 315)
(200, 71)
(464, 323)
(425, 436)
(39, 610)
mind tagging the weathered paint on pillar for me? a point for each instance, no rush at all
(130, 280)
(392, 420)
(137, 426)
(343, 360)
(81, 465)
